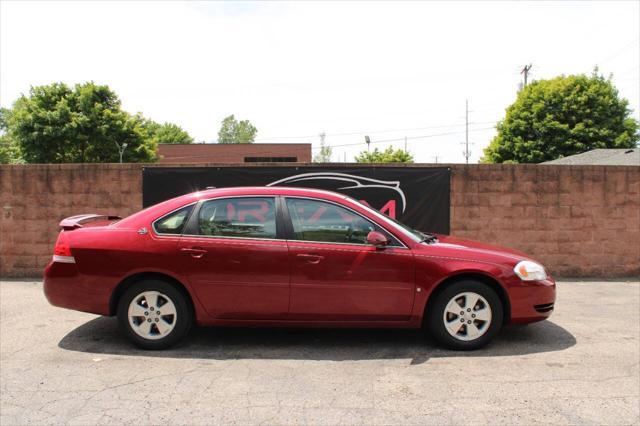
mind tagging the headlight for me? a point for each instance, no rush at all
(530, 271)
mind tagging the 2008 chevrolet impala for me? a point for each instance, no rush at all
(287, 257)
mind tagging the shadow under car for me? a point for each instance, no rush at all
(101, 335)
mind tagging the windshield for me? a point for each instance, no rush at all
(414, 234)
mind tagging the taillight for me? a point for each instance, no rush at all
(62, 250)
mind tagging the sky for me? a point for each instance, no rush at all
(389, 70)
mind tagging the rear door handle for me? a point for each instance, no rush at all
(195, 252)
(310, 258)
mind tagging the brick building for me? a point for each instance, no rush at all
(235, 153)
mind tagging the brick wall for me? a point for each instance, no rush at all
(33, 199)
(577, 220)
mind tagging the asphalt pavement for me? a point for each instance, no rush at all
(579, 367)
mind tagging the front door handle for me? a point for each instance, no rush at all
(195, 252)
(310, 258)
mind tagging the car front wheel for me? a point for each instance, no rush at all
(465, 316)
(154, 314)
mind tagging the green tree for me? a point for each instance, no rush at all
(560, 117)
(169, 133)
(9, 151)
(234, 131)
(172, 133)
(389, 155)
(62, 124)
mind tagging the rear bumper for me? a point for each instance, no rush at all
(66, 288)
(532, 300)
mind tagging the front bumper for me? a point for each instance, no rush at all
(532, 300)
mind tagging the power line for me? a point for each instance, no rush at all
(373, 132)
(627, 72)
(433, 135)
(618, 52)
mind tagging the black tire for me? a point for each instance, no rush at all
(183, 318)
(435, 323)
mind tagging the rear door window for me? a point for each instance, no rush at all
(244, 217)
(174, 222)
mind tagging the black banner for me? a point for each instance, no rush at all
(417, 196)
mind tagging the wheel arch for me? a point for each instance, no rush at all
(482, 277)
(126, 283)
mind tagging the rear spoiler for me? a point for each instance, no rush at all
(79, 221)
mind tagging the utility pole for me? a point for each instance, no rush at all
(405, 144)
(466, 151)
(525, 72)
(367, 140)
(466, 130)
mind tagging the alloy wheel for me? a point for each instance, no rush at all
(467, 316)
(152, 315)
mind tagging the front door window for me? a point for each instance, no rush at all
(320, 221)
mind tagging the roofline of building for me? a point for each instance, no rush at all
(234, 144)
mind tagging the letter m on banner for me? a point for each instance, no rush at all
(389, 208)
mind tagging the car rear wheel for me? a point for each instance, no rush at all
(465, 316)
(154, 314)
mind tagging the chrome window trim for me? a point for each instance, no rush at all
(403, 246)
(351, 244)
(233, 238)
(153, 224)
(288, 240)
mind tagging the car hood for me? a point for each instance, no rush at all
(475, 250)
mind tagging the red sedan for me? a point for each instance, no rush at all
(287, 257)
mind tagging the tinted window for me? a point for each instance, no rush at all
(320, 221)
(250, 217)
(173, 223)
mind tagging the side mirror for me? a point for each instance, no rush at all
(377, 239)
